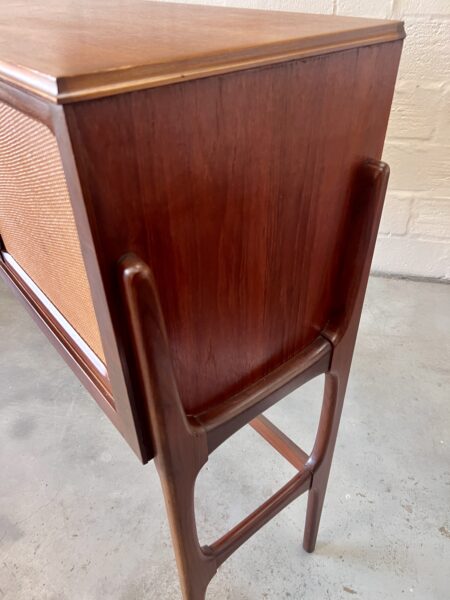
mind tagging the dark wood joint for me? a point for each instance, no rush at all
(2, 248)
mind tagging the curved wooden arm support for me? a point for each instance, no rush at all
(225, 419)
(366, 206)
(362, 225)
(182, 443)
(180, 451)
(360, 234)
(167, 420)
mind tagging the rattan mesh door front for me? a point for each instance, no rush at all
(36, 220)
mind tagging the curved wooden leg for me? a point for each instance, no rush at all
(180, 453)
(365, 212)
(196, 567)
(322, 454)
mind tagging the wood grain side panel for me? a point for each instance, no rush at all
(235, 190)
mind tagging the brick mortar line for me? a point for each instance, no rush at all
(417, 237)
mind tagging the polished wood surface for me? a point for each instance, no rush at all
(279, 440)
(68, 51)
(225, 418)
(228, 204)
(226, 224)
(182, 448)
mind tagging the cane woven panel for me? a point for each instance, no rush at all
(37, 223)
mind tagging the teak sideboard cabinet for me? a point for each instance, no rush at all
(189, 202)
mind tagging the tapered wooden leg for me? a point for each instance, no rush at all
(322, 454)
(369, 190)
(195, 566)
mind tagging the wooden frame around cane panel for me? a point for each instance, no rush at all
(182, 443)
(110, 385)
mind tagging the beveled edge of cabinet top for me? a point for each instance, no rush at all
(66, 52)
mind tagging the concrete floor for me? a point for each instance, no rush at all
(80, 519)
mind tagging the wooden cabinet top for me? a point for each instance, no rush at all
(67, 51)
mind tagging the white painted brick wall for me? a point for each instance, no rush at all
(415, 231)
(378, 9)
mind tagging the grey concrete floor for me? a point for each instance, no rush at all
(81, 519)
